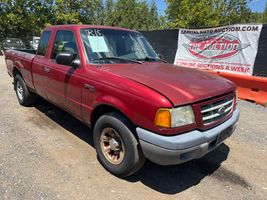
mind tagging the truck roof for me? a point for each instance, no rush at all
(79, 26)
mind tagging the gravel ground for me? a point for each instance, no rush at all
(47, 154)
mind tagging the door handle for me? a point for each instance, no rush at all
(47, 69)
(89, 87)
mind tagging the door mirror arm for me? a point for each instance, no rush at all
(160, 56)
(76, 63)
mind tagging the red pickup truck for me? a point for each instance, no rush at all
(137, 106)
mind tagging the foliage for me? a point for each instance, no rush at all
(257, 17)
(206, 13)
(27, 18)
(131, 14)
(16, 18)
(264, 14)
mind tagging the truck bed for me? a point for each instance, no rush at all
(22, 59)
(31, 51)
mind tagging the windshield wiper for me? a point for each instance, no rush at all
(152, 59)
(118, 58)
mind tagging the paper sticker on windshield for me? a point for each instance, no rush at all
(98, 44)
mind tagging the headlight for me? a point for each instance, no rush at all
(172, 118)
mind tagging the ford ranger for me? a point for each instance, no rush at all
(138, 106)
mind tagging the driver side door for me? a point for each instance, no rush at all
(64, 87)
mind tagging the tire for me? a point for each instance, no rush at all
(130, 157)
(25, 97)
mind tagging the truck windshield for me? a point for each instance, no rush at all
(106, 46)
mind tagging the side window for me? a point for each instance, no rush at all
(64, 42)
(43, 43)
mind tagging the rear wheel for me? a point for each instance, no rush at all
(117, 148)
(25, 97)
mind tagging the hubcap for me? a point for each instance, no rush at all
(112, 146)
(20, 90)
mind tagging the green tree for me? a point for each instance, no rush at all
(153, 18)
(27, 18)
(257, 17)
(20, 18)
(206, 13)
(65, 12)
(264, 14)
(75, 11)
(133, 14)
(108, 14)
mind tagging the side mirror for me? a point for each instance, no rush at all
(161, 56)
(65, 58)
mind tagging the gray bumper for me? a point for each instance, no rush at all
(170, 150)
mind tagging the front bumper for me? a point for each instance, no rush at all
(171, 150)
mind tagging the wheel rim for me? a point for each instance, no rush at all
(112, 146)
(20, 91)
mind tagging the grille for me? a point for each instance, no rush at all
(217, 110)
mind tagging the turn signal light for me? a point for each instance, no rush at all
(163, 118)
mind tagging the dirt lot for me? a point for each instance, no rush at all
(47, 154)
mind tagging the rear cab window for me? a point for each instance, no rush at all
(43, 43)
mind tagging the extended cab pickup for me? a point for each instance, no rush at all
(138, 106)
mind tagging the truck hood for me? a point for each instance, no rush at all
(179, 84)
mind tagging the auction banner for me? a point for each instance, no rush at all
(230, 49)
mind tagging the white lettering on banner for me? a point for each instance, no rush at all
(230, 48)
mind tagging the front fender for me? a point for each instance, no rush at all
(116, 103)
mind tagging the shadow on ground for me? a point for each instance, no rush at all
(177, 178)
(65, 120)
(164, 179)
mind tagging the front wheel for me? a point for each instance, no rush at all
(116, 146)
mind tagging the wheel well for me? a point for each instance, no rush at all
(103, 109)
(16, 72)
